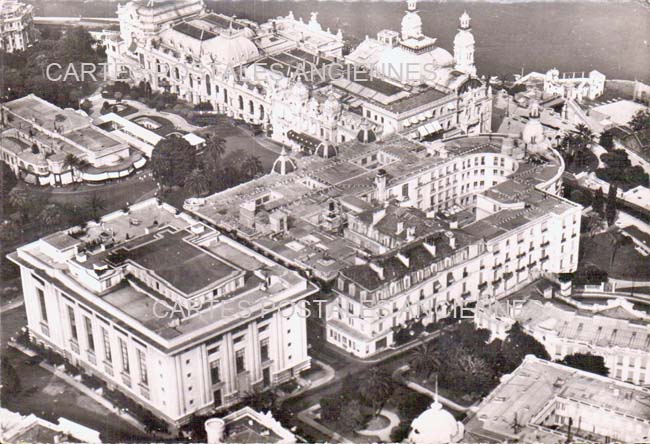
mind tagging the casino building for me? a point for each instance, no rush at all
(290, 76)
(169, 311)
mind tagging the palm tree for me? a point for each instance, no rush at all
(75, 164)
(51, 215)
(376, 387)
(197, 182)
(215, 146)
(251, 166)
(422, 360)
(94, 203)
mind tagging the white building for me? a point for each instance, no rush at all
(16, 26)
(174, 314)
(289, 76)
(38, 138)
(574, 86)
(546, 403)
(614, 330)
(435, 426)
(16, 428)
(364, 221)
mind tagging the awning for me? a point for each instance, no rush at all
(429, 128)
(414, 120)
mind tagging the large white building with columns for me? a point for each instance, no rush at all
(289, 75)
(172, 313)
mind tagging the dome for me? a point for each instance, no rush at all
(435, 426)
(464, 38)
(411, 25)
(231, 50)
(366, 134)
(331, 106)
(284, 164)
(326, 150)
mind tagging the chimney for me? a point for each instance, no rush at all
(380, 182)
(431, 248)
(215, 428)
(410, 233)
(452, 239)
(377, 269)
(403, 259)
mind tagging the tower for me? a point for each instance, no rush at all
(411, 23)
(464, 44)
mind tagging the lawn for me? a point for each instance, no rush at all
(627, 263)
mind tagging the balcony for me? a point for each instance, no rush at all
(466, 295)
(91, 357)
(507, 275)
(520, 269)
(482, 286)
(544, 258)
(520, 255)
(532, 264)
(545, 244)
(497, 266)
(108, 368)
(45, 329)
(74, 345)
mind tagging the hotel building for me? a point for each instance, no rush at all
(172, 313)
(407, 231)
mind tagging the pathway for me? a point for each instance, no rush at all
(383, 434)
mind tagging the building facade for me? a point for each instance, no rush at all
(614, 330)
(289, 75)
(16, 26)
(172, 313)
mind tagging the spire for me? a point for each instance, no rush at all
(464, 20)
(435, 396)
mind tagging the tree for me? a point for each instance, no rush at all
(172, 161)
(607, 140)
(331, 407)
(598, 202)
(262, 400)
(351, 418)
(610, 212)
(19, 199)
(8, 181)
(518, 344)
(250, 167)
(215, 148)
(640, 121)
(75, 164)
(376, 387)
(197, 182)
(401, 432)
(51, 215)
(421, 361)
(9, 379)
(587, 362)
(95, 204)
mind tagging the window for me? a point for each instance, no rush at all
(124, 352)
(107, 345)
(89, 333)
(73, 323)
(215, 372)
(42, 306)
(264, 349)
(142, 363)
(239, 361)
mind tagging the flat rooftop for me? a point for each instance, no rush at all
(184, 265)
(47, 115)
(535, 383)
(93, 139)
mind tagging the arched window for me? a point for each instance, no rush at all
(241, 102)
(261, 112)
(208, 86)
(251, 107)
